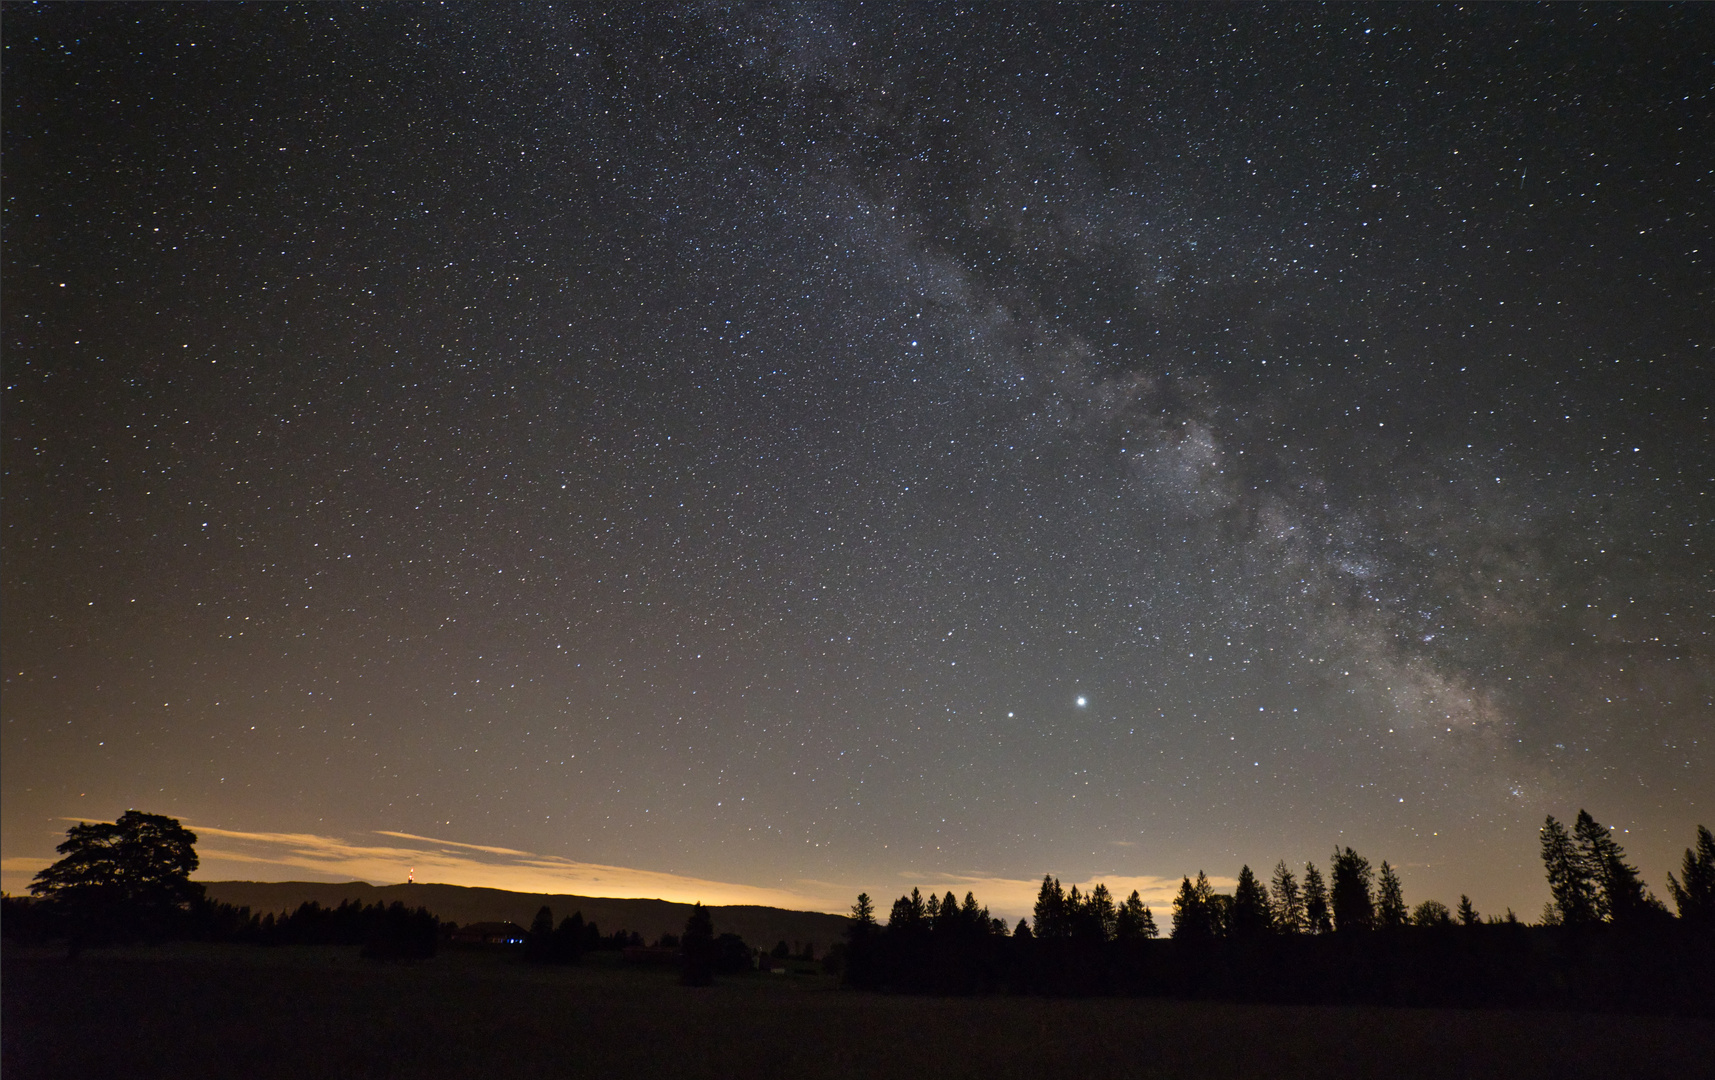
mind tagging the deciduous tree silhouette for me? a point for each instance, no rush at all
(124, 878)
(1431, 913)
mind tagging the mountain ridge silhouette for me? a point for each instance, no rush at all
(464, 904)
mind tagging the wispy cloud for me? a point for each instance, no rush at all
(227, 853)
(387, 858)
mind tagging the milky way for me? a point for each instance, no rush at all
(825, 448)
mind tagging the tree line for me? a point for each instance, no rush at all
(1604, 942)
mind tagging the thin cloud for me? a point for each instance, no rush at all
(236, 854)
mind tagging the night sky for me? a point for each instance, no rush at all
(821, 448)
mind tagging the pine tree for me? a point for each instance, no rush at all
(1467, 913)
(899, 914)
(1217, 907)
(1286, 902)
(947, 918)
(698, 947)
(1620, 893)
(863, 912)
(1195, 914)
(1317, 918)
(539, 942)
(1100, 914)
(1694, 890)
(1049, 916)
(1352, 892)
(1190, 921)
(1570, 881)
(1250, 916)
(1132, 918)
(1390, 900)
(569, 936)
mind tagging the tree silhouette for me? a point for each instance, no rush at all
(697, 945)
(118, 879)
(1431, 913)
(1097, 920)
(1570, 881)
(1133, 920)
(570, 939)
(1250, 915)
(1467, 913)
(1317, 918)
(1286, 902)
(539, 942)
(1351, 891)
(1049, 916)
(1390, 900)
(1620, 893)
(1197, 915)
(861, 939)
(1694, 890)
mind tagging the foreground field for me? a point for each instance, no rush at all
(221, 1011)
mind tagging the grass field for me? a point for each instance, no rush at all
(187, 1011)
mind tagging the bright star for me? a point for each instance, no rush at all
(1083, 701)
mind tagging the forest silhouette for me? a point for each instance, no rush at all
(1604, 941)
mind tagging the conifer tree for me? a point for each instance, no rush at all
(697, 945)
(539, 942)
(1620, 893)
(1250, 916)
(1390, 900)
(909, 913)
(1286, 902)
(973, 919)
(1467, 913)
(1049, 917)
(1133, 920)
(1190, 919)
(1352, 891)
(1317, 918)
(1100, 913)
(1694, 890)
(863, 912)
(1569, 878)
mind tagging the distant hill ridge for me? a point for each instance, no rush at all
(759, 926)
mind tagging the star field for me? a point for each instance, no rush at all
(823, 444)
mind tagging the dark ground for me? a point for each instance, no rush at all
(188, 1011)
